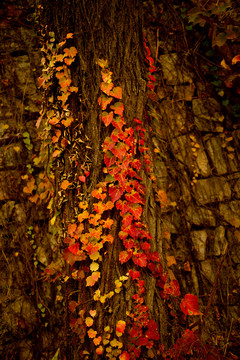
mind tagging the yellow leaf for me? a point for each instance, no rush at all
(94, 266)
(17, 148)
(88, 321)
(225, 65)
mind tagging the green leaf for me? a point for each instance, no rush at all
(225, 102)
(189, 27)
(27, 141)
(26, 134)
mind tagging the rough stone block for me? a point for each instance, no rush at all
(183, 151)
(9, 184)
(10, 156)
(200, 216)
(199, 239)
(207, 114)
(211, 190)
(173, 71)
(231, 212)
(219, 240)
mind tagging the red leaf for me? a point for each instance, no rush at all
(82, 178)
(123, 206)
(134, 197)
(109, 159)
(134, 274)
(151, 77)
(136, 211)
(140, 259)
(189, 305)
(172, 288)
(106, 117)
(124, 256)
(118, 122)
(152, 332)
(115, 192)
(127, 219)
(120, 150)
(145, 246)
(128, 244)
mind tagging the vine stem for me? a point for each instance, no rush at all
(214, 289)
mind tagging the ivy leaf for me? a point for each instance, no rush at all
(65, 184)
(106, 117)
(152, 332)
(99, 350)
(92, 333)
(116, 92)
(124, 356)
(134, 197)
(120, 327)
(92, 279)
(71, 229)
(172, 288)
(103, 63)
(106, 87)
(94, 266)
(189, 305)
(136, 210)
(235, 59)
(140, 259)
(120, 150)
(71, 258)
(134, 274)
(88, 321)
(118, 122)
(115, 192)
(104, 101)
(71, 52)
(67, 122)
(118, 108)
(124, 256)
(82, 178)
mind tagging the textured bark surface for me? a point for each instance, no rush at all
(189, 141)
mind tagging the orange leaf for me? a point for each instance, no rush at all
(235, 59)
(106, 87)
(69, 36)
(106, 117)
(82, 178)
(92, 333)
(92, 279)
(67, 122)
(29, 186)
(97, 340)
(56, 153)
(72, 228)
(88, 321)
(116, 92)
(120, 327)
(118, 108)
(65, 184)
(99, 350)
(102, 63)
(71, 52)
(124, 356)
(92, 312)
(103, 101)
